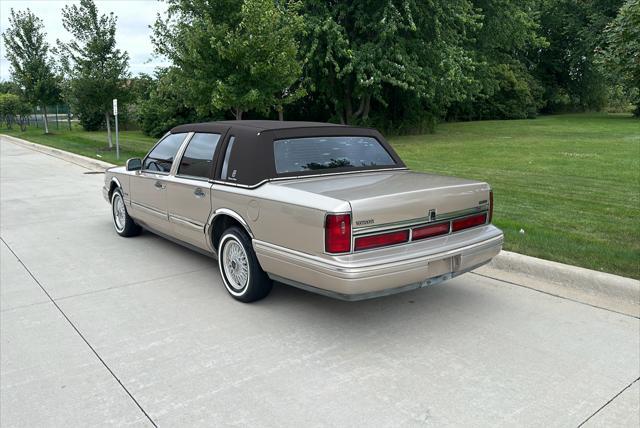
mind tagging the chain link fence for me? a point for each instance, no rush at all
(59, 116)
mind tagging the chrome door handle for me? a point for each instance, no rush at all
(199, 193)
(159, 185)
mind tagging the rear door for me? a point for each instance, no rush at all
(149, 185)
(189, 191)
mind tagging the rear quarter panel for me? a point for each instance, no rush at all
(287, 217)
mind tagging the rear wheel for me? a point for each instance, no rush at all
(241, 273)
(124, 225)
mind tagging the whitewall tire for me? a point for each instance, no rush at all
(241, 273)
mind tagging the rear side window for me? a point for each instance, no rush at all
(162, 156)
(198, 157)
(323, 153)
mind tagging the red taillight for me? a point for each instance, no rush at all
(467, 222)
(490, 205)
(429, 231)
(382, 240)
(337, 233)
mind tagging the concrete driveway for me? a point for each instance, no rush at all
(102, 330)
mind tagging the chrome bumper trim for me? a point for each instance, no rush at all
(374, 294)
(349, 270)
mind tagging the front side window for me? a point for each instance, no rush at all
(198, 157)
(323, 153)
(162, 156)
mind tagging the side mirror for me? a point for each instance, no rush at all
(134, 164)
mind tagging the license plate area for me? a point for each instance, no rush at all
(442, 266)
(441, 270)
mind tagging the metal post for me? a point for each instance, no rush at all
(57, 125)
(115, 114)
(69, 116)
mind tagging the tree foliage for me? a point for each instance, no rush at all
(233, 55)
(97, 70)
(567, 68)
(399, 58)
(31, 64)
(166, 105)
(13, 109)
(620, 53)
(504, 87)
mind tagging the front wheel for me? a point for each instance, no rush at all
(241, 273)
(123, 223)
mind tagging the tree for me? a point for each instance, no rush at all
(13, 109)
(262, 54)
(406, 56)
(31, 64)
(620, 53)
(233, 55)
(504, 87)
(567, 68)
(166, 105)
(96, 68)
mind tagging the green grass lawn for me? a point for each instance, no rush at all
(91, 144)
(570, 182)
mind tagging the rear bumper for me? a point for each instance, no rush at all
(384, 271)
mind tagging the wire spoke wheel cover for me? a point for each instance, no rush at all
(235, 264)
(119, 213)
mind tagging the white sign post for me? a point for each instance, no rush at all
(115, 114)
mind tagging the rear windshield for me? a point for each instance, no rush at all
(322, 153)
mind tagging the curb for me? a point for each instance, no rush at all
(83, 161)
(594, 288)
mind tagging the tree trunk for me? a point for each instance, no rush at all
(280, 113)
(360, 108)
(45, 120)
(237, 113)
(367, 107)
(348, 110)
(108, 118)
(69, 118)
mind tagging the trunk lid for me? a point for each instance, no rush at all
(380, 199)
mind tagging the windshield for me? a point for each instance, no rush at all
(322, 153)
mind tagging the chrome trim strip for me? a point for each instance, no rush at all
(186, 222)
(315, 262)
(410, 228)
(434, 280)
(115, 179)
(178, 158)
(253, 186)
(419, 221)
(192, 177)
(230, 213)
(150, 210)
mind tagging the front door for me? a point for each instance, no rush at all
(189, 191)
(148, 187)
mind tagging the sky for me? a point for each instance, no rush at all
(132, 33)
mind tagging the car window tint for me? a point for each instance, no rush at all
(161, 157)
(320, 153)
(198, 157)
(227, 155)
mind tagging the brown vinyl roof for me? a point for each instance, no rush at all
(252, 161)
